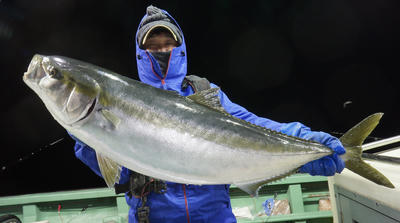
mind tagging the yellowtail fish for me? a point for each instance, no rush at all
(189, 140)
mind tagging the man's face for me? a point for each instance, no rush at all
(160, 42)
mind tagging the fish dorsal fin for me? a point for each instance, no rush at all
(356, 135)
(109, 169)
(208, 98)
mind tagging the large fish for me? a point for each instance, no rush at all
(161, 134)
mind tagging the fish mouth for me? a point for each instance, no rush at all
(34, 74)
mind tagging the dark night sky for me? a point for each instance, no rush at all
(327, 64)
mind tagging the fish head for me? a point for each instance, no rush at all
(63, 85)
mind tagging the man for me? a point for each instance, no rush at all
(162, 63)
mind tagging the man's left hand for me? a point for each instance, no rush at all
(328, 165)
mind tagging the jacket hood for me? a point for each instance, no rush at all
(149, 70)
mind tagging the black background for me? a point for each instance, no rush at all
(327, 64)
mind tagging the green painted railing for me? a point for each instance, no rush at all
(102, 205)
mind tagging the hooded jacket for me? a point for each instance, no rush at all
(190, 203)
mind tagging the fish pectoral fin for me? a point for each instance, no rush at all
(111, 117)
(208, 98)
(109, 169)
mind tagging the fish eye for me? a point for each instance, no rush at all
(53, 72)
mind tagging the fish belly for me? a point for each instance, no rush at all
(172, 155)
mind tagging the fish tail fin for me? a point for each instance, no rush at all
(352, 141)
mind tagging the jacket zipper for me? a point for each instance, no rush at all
(166, 72)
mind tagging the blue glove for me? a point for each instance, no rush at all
(326, 166)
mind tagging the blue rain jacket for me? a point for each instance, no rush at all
(190, 203)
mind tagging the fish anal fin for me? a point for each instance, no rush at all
(253, 188)
(109, 169)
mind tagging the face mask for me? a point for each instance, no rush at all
(162, 59)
